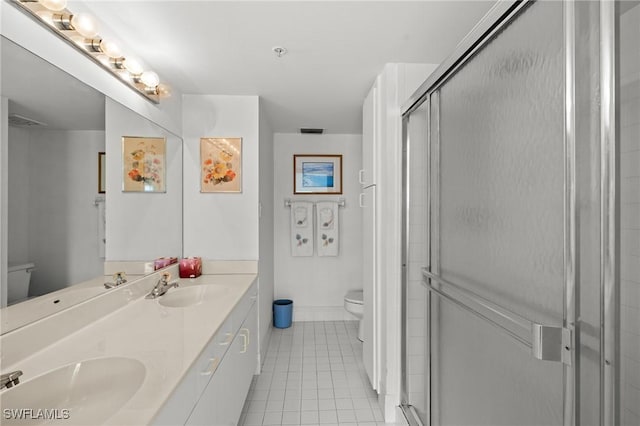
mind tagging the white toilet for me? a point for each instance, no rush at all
(353, 303)
(19, 277)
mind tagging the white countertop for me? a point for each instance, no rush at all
(166, 340)
(27, 311)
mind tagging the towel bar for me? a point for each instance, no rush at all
(341, 202)
(545, 342)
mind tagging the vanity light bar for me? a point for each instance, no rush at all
(80, 30)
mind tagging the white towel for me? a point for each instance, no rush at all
(328, 231)
(301, 228)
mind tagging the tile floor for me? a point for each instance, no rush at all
(313, 375)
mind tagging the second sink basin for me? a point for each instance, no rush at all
(83, 393)
(190, 296)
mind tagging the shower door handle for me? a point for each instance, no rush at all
(548, 343)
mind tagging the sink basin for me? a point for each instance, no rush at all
(87, 392)
(190, 296)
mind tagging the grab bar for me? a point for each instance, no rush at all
(547, 343)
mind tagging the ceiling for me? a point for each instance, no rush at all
(42, 92)
(335, 48)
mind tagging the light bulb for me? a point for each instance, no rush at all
(110, 49)
(85, 25)
(55, 5)
(133, 66)
(150, 79)
(163, 90)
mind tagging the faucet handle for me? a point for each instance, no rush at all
(166, 277)
(120, 277)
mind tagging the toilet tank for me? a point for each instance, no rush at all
(19, 276)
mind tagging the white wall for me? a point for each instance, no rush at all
(265, 262)
(317, 285)
(18, 195)
(63, 219)
(53, 220)
(398, 82)
(630, 216)
(141, 226)
(221, 226)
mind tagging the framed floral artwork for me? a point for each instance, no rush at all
(144, 164)
(317, 174)
(221, 165)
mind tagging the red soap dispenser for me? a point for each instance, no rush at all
(190, 267)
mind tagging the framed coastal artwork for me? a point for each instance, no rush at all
(317, 174)
(144, 164)
(220, 165)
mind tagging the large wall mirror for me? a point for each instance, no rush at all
(61, 228)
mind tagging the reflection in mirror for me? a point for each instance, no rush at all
(55, 212)
(56, 129)
(59, 188)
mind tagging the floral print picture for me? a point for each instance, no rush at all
(144, 161)
(221, 164)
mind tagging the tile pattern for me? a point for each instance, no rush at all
(313, 375)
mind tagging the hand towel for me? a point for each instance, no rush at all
(328, 230)
(301, 228)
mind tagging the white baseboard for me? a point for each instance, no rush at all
(321, 313)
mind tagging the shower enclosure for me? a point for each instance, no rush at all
(521, 254)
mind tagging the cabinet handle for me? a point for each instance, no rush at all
(361, 199)
(228, 340)
(245, 343)
(361, 176)
(213, 365)
(244, 332)
(248, 334)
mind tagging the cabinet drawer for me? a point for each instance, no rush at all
(210, 359)
(244, 306)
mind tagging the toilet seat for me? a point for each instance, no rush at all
(354, 296)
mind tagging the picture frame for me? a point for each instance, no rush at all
(317, 174)
(221, 165)
(144, 164)
(102, 171)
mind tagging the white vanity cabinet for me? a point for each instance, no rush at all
(214, 389)
(222, 401)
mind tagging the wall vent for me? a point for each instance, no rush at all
(21, 121)
(310, 131)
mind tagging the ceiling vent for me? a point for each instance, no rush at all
(20, 121)
(310, 131)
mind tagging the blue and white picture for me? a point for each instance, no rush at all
(317, 175)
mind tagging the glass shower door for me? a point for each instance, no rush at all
(497, 273)
(628, 112)
(531, 262)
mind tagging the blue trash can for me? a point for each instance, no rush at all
(282, 313)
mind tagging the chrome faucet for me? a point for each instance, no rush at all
(118, 278)
(10, 379)
(162, 286)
